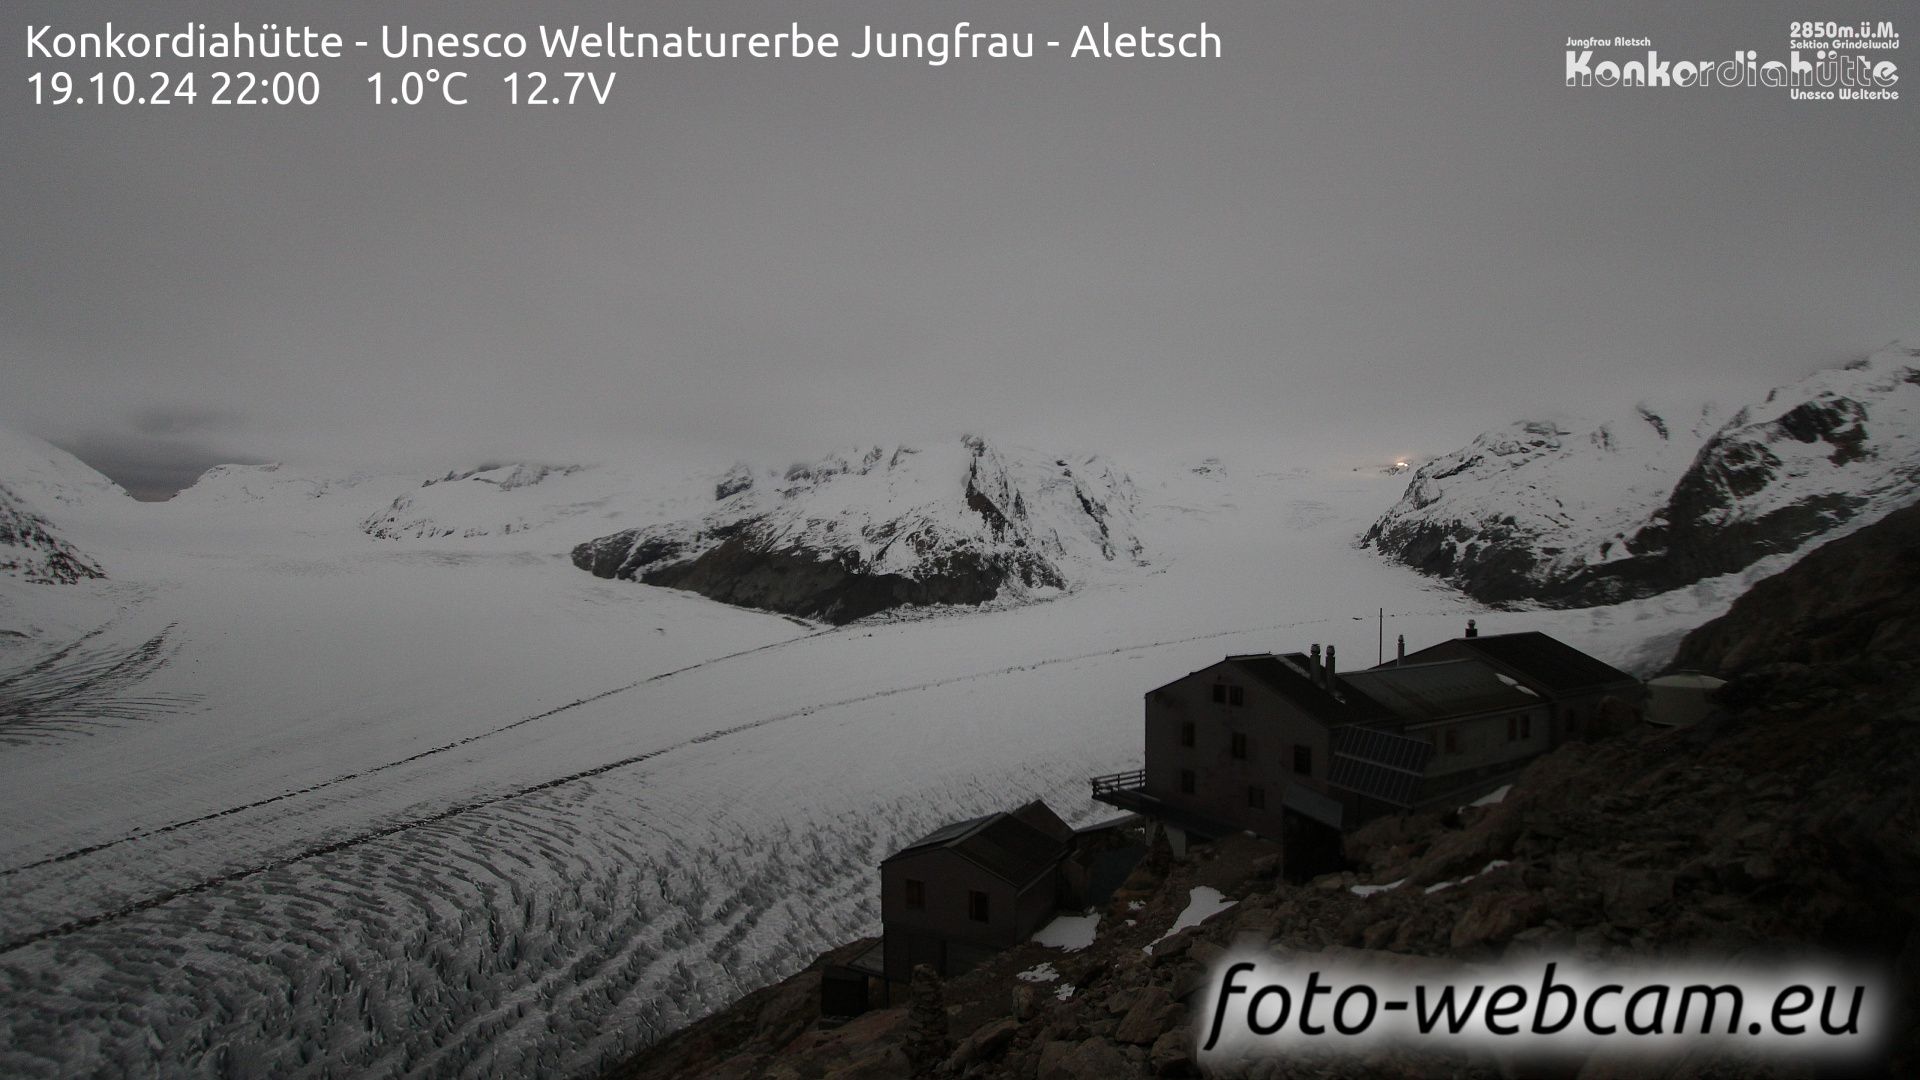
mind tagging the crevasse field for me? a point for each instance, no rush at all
(285, 799)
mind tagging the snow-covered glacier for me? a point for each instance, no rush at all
(339, 775)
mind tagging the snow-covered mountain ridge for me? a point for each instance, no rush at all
(41, 484)
(32, 550)
(485, 501)
(855, 534)
(1575, 513)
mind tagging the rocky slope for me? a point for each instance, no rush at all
(32, 550)
(1789, 821)
(1577, 513)
(853, 535)
(1847, 601)
(40, 486)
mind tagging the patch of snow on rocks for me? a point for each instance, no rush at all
(1203, 903)
(1069, 932)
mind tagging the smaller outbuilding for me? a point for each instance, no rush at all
(966, 891)
(1681, 699)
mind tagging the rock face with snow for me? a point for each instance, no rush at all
(32, 550)
(459, 504)
(39, 485)
(853, 535)
(1574, 513)
(1847, 602)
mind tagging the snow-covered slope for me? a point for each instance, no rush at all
(32, 550)
(471, 503)
(270, 484)
(1582, 512)
(41, 486)
(851, 535)
(567, 502)
(51, 480)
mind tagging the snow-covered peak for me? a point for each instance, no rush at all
(866, 503)
(227, 484)
(506, 477)
(855, 532)
(1583, 510)
(50, 479)
(1585, 482)
(573, 501)
(1841, 444)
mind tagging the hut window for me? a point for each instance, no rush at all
(1526, 726)
(1303, 760)
(1257, 798)
(1220, 693)
(916, 894)
(1453, 740)
(1186, 733)
(976, 905)
(1240, 745)
(1236, 695)
(1186, 781)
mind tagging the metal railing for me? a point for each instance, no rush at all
(1133, 780)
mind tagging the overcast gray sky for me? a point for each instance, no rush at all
(1382, 226)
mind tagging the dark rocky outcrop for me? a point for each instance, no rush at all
(1852, 601)
(737, 479)
(33, 550)
(747, 568)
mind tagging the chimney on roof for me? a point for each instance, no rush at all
(1400, 653)
(1313, 664)
(1329, 682)
(1472, 630)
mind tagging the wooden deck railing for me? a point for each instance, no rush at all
(1120, 781)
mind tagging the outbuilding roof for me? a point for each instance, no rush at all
(1015, 846)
